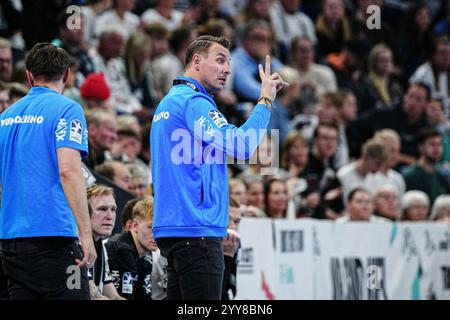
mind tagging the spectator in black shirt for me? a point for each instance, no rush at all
(102, 209)
(130, 255)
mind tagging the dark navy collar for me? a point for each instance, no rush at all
(193, 83)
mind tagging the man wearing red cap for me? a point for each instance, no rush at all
(95, 92)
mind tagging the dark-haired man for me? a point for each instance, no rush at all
(424, 175)
(44, 208)
(191, 186)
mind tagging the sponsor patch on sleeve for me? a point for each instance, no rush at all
(217, 118)
(61, 130)
(76, 131)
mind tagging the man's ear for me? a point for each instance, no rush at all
(30, 77)
(66, 75)
(196, 61)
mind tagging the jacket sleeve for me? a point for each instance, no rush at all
(208, 125)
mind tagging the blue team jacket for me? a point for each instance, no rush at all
(189, 142)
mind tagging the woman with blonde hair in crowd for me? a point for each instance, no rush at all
(139, 72)
(332, 28)
(384, 89)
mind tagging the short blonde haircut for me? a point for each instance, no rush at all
(143, 209)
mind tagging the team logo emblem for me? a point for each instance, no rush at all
(76, 130)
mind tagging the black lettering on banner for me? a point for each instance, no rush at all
(292, 241)
(336, 276)
(376, 273)
(445, 277)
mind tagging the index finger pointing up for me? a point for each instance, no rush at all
(267, 69)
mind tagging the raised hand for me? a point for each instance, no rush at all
(270, 83)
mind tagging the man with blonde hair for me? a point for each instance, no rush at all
(355, 174)
(102, 209)
(130, 254)
(387, 175)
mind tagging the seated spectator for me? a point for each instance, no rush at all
(315, 79)
(107, 60)
(387, 175)
(441, 209)
(255, 195)
(256, 42)
(210, 9)
(360, 208)
(159, 39)
(6, 60)
(295, 160)
(320, 169)
(384, 89)
(387, 203)
(382, 33)
(17, 91)
(5, 100)
(424, 175)
(357, 173)
(139, 71)
(72, 40)
(90, 12)
(120, 16)
(102, 209)
(438, 120)
(346, 113)
(231, 245)
(171, 65)
(260, 161)
(415, 37)
(164, 13)
(406, 118)
(95, 92)
(130, 255)
(415, 206)
(282, 106)
(255, 10)
(238, 190)
(435, 72)
(348, 68)
(288, 22)
(276, 198)
(102, 135)
(332, 28)
(118, 173)
(325, 110)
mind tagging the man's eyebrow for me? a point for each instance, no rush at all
(221, 54)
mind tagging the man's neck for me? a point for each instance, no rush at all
(360, 168)
(57, 86)
(426, 165)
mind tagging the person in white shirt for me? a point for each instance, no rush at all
(121, 17)
(360, 208)
(288, 22)
(355, 174)
(107, 60)
(164, 13)
(435, 72)
(387, 175)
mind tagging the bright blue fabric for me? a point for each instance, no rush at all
(31, 130)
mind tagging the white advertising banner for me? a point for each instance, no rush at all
(316, 259)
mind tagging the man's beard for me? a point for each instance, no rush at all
(431, 160)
